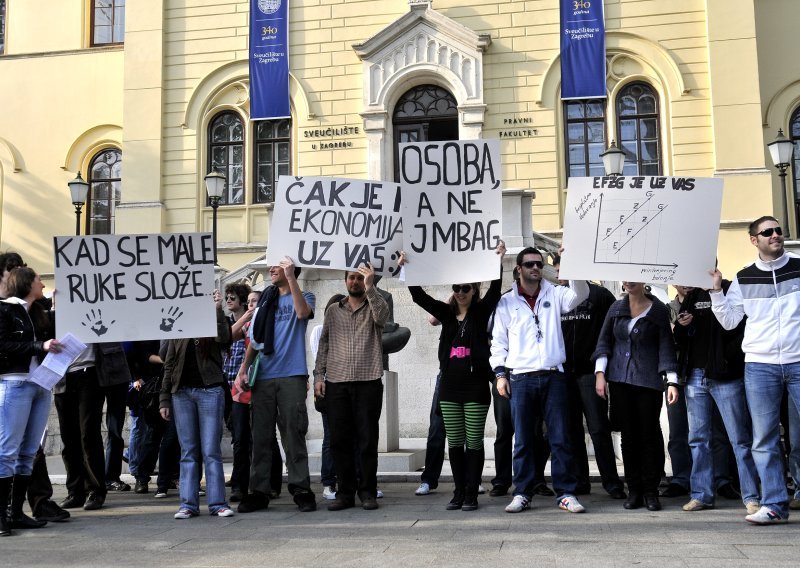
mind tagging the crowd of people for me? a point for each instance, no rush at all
(547, 357)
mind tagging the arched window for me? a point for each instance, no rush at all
(226, 154)
(638, 129)
(272, 157)
(108, 22)
(105, 191)
(794, 135)
(586, 137)
(424, 114)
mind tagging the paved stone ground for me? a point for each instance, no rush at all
(137, 530)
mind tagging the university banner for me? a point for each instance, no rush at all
(583, 49)
(135, 287)
(269, 59)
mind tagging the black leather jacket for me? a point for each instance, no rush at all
(20, 337)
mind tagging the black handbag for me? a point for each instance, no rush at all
(149, 396)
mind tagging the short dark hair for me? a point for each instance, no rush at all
(10, 261)
(754, 225)
(20, 281)
(525, 251)
(556, 260)
(240, 290)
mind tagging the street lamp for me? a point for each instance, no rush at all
(613, 160)
(781, 150)
(215, 187)
(78, 189)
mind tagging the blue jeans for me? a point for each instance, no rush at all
(24, 407)
(533, 396)
(198, 415)
(328, 471)
(794, 441)
(764, 384)
(434, 449)
(701, 395)
(136, 444)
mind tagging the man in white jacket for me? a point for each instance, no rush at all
(768, 293)
(527, 356)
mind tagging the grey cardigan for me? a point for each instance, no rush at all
(644, 355)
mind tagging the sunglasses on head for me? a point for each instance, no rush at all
(768, 232)
(532, 263)
(464, 289)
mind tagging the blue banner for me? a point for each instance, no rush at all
(583, 49)
(269, 59)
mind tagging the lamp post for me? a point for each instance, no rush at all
(613, 160)
(215, 186)
(781, 150)
(78, 190)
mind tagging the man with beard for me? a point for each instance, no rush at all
(348, 375)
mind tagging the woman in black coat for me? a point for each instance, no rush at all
(634, 352)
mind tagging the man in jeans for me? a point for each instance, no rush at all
(768, 293)
(527, 358)
(278, 338)
(711, 360)
(348, 375)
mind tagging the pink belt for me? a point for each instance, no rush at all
(459, 352)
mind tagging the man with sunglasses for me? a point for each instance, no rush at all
(768, 293)
(528, 360)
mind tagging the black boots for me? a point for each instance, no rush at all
(458, 465)
(473, 470)
(5, 489)
(17, 519)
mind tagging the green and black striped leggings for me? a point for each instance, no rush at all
(464, 422)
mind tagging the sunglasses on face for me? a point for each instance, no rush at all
(532, 263)
(231, 298)
(463, 289)
(767, 233)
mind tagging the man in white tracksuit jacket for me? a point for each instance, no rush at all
(527, 356)
(768, 293)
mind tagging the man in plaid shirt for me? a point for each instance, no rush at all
(348, 375)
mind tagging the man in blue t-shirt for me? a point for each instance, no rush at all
(277, 337)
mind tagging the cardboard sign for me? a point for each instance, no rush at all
(642, 229)
(135, 287)
(337, 223)
(452, 211)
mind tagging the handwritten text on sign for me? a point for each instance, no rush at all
(642, 229)
(337, 223)
(452, 206)
(135, 287)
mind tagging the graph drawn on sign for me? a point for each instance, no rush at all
(631, 230)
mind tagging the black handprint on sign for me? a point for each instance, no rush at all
(94, 321)
(169, 318)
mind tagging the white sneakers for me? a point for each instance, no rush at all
(518, 504)
(328, 493)
(571, 504)
(765, 516)
(423, 489)
(223, 512)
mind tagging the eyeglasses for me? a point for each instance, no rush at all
(767, 233)
(532, 263)
(464, 289)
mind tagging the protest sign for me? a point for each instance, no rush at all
(642, 229)
(135, 287)
(337, 223)
(452, 210)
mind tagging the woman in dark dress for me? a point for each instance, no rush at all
(465, 389)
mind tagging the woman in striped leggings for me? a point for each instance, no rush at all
(464, 391)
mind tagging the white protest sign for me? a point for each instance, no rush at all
(338, 223)
(642, 229)
(135, 287)
(452, 211)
